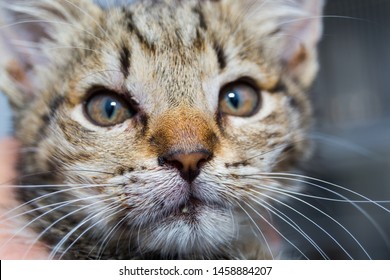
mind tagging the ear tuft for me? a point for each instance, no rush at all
(14, 66)
(291, 29)
(30, 31)
(302, 32)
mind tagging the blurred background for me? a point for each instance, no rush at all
(351, 134)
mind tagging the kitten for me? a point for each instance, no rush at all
(158, 128)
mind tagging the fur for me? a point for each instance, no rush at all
(171, 58)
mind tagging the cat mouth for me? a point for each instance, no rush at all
(192, 208)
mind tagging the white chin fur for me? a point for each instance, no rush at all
(210, 233)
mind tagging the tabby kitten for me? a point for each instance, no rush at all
(155, 128)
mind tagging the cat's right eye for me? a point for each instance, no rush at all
(106, 108)
(239, 98)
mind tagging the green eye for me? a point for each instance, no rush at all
(106, 108)
(239, 99)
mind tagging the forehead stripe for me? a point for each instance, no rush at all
(220, 56)
(202, 21)
(125, 60)
(132, 27)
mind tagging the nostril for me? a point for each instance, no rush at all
(177, 164)
(202, 162)
(167, 161)
(188, 164)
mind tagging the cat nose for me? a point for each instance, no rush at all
(189, 164)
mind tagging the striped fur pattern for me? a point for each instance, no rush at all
(107, 195)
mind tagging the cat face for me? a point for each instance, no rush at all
(164, 120)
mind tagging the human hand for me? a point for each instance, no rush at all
(13, 244)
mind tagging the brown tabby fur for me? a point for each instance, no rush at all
(171, 58)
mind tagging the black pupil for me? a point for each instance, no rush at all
(234, 99)
(110, 107)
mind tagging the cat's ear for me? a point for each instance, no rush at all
(16, 62)
(299, 35)
(30, 32)
(288, 30)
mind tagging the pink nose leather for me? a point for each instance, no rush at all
(188, 164)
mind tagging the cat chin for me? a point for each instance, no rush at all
(206, 234)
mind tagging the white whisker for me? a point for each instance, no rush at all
(108, 237)
(294, 225)
(323, 213)
(274, 228)
(92, 226)
(90, 216)
(48, 21)
(51, 194)
(69, 214)
(39, 217)
(41, 47)
(89, 16)
(344, 200)
(327, 189)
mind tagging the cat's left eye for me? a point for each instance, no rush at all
(105, 108)
(240, 99)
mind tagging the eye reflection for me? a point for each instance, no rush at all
(239, 99)
(105, 108)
